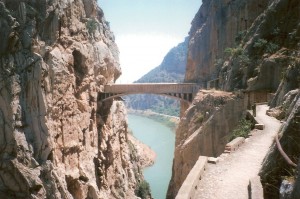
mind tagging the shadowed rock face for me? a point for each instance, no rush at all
(56, 139)
(203, 131)
(263, 41)
(246, 45)
(215, 28)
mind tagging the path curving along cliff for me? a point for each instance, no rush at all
(251, 47)
(231, 175)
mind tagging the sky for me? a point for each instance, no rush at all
(145, 30)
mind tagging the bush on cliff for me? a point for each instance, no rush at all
(143, 190)
(242, 130)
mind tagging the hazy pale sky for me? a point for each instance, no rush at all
(145, 30)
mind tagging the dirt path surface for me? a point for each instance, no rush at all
(229, 178)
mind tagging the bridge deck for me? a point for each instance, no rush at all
(152, 88)
(183, 91)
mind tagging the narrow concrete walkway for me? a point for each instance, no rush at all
(229, 178)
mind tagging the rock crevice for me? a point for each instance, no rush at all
(57, 139)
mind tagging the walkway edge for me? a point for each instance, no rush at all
(255, 188)
(189, 186)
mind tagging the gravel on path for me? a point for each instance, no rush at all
(229, 178)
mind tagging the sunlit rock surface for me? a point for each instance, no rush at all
(56, 139)
(249, 46)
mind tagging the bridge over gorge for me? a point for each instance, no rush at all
(183, 91)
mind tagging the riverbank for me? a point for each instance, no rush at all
(146, 156)
(167, 120)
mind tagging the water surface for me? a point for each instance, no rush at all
(161, 139)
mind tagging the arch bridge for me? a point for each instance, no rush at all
(183, 91)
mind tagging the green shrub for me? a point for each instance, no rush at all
(271, 47)
(260, 43)
(244, 59)
(200, 118)
(238, 53)
(240, 35)
(233, 51)
(91, 25)
(263, 45)
(143, 190)
(242, 130)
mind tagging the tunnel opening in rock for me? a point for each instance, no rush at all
(78, 67)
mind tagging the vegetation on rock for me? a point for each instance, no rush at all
(91, 25)
(253, 47)
(143, 190)
(242, 130)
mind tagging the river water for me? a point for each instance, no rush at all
(161, 139)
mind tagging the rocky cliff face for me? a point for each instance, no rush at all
(275, 168)
(246, 45)
(250, 46)
(57, 140)
(203, 131)
(216, 27)
(267, 57)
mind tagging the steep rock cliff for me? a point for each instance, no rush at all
(267, 59)
(57, 140)
(215, 27)
(203, 131)
(267, 56)
(275, 168)
(249, 46)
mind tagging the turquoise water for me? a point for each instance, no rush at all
(161, 139)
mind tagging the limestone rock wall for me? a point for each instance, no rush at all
(216, 27)
(203, 131)
(275, 169)
(243, 45)
(56, 139)
(267, 54)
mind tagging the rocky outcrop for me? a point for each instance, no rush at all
(217, 26)
(204, 131)
(245, 45)
(57, 140)
(254, 47)
(141, 152)
(275, 169)
(267, 54)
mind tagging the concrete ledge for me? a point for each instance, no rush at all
(234, 144)
(259, 126)
(255, 189)
(213, 160)
(189, 186)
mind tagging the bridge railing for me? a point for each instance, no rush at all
(152, 88)
(183, 91)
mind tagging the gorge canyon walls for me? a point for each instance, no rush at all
(214, 28)
(245, 46)
(203, 130)
(57, 139)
